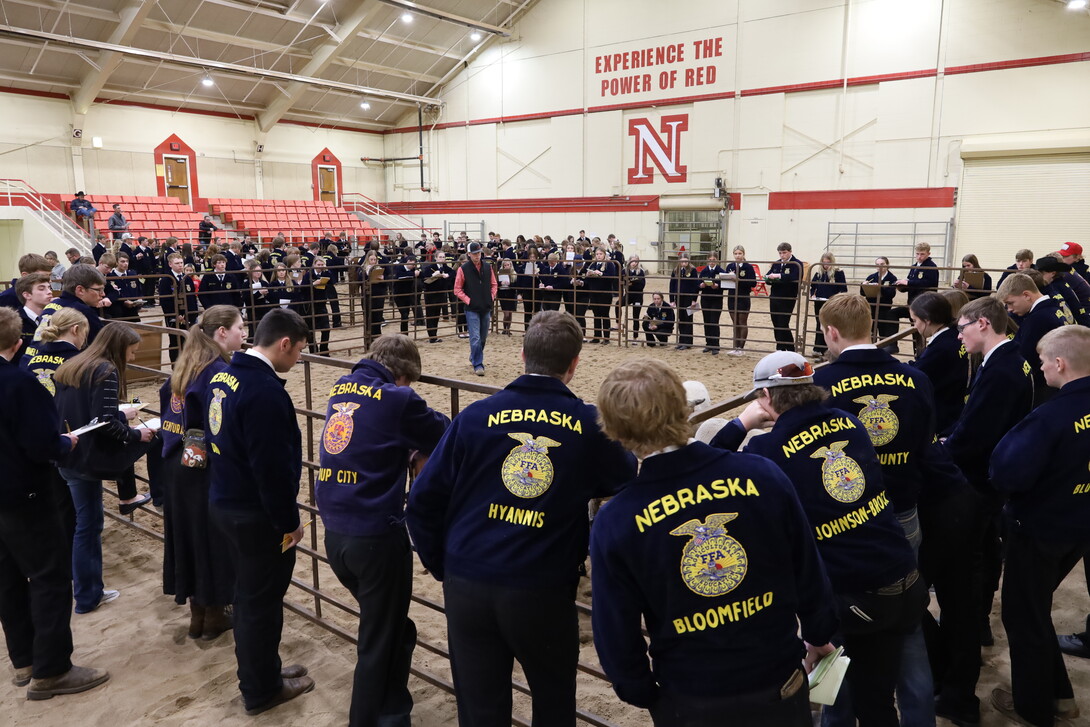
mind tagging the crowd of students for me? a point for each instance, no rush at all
(887, 477)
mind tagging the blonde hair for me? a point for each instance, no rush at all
(833, 267)
(849, 314)
(1071, 343)
(923, 247)
(642, 404)
(61, 322)
(200, 347)
(1017, 284)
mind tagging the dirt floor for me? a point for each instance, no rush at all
(162, 678)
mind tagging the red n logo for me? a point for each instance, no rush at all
(650, 149)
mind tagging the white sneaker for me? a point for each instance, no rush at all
(737, 352)
(109, 595)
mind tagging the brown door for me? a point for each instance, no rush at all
(177, 178)
(327, 184)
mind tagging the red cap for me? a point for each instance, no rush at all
(1070, 248)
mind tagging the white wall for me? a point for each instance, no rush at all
(901, 133)
(36, 146)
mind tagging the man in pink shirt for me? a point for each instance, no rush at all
(475, 285)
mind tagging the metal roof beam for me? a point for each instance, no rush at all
(322, 57)
(267, 47)
(447, 17)
(190, 62)
(132, 16)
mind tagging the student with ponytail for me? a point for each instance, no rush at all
(194, 566)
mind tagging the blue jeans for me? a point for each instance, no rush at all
(87, 542)
(478, 333)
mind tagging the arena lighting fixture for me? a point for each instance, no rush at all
(406, 17)
(475, 36)
(365, 106)
(1076, 4)
(207, 82)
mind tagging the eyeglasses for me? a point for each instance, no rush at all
(793, 371)
(98, 289)
(962, 326)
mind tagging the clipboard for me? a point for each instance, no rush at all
(974, 278)
(871, 290)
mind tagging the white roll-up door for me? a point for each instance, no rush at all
(1007, 203)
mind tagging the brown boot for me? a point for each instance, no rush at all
(217, 619)
(196, 620)
(292, 688)
(75, 680)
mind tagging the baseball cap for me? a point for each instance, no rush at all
(126, 235)
(782, 368)
(1049, 264)
(1070, 248)
(474, 247)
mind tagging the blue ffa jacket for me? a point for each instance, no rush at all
(786, 286)
(663, 315)
(711, 291)
(179, 413)
(896, 405)
(824, 286)
(372, 425)
(45, 361)
(128, 289)
(503, 499)
(1041, 465)
(1061, 291)
(828, 455)
(714, 551)
(684, 285)
(922, 277)
(256, 454)
(747, 277)
(166, 287)
(29, 437)
(1000, 395)
(887, 292)
(1044, 317)
(945, 362)
(220, 289)
(67, 300)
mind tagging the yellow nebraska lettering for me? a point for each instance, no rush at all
(858, 382)
(351, 387)
(535, 416)
(658, 510)
(225, 378)
(1082, 424)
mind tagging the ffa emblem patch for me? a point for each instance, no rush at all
(841, 475)
(215, 410)
(712, 562)
(46, 380)
(176, 403)
(527, 471)
(881, 422)
(338, 430)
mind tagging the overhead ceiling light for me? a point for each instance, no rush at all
(207, 81)
(364, 105)
(406, 17)
(475, 36)
(1076, 4)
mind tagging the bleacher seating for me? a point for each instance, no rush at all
(299, 221)
(148, 216)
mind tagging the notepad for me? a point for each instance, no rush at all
(827, 676)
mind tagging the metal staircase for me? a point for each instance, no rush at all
(66, 233)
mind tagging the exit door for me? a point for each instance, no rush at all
(177, 178)
(327, 184)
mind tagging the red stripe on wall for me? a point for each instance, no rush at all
(1018, 63)
(643, 203)
(679, 101)
(863, 199)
